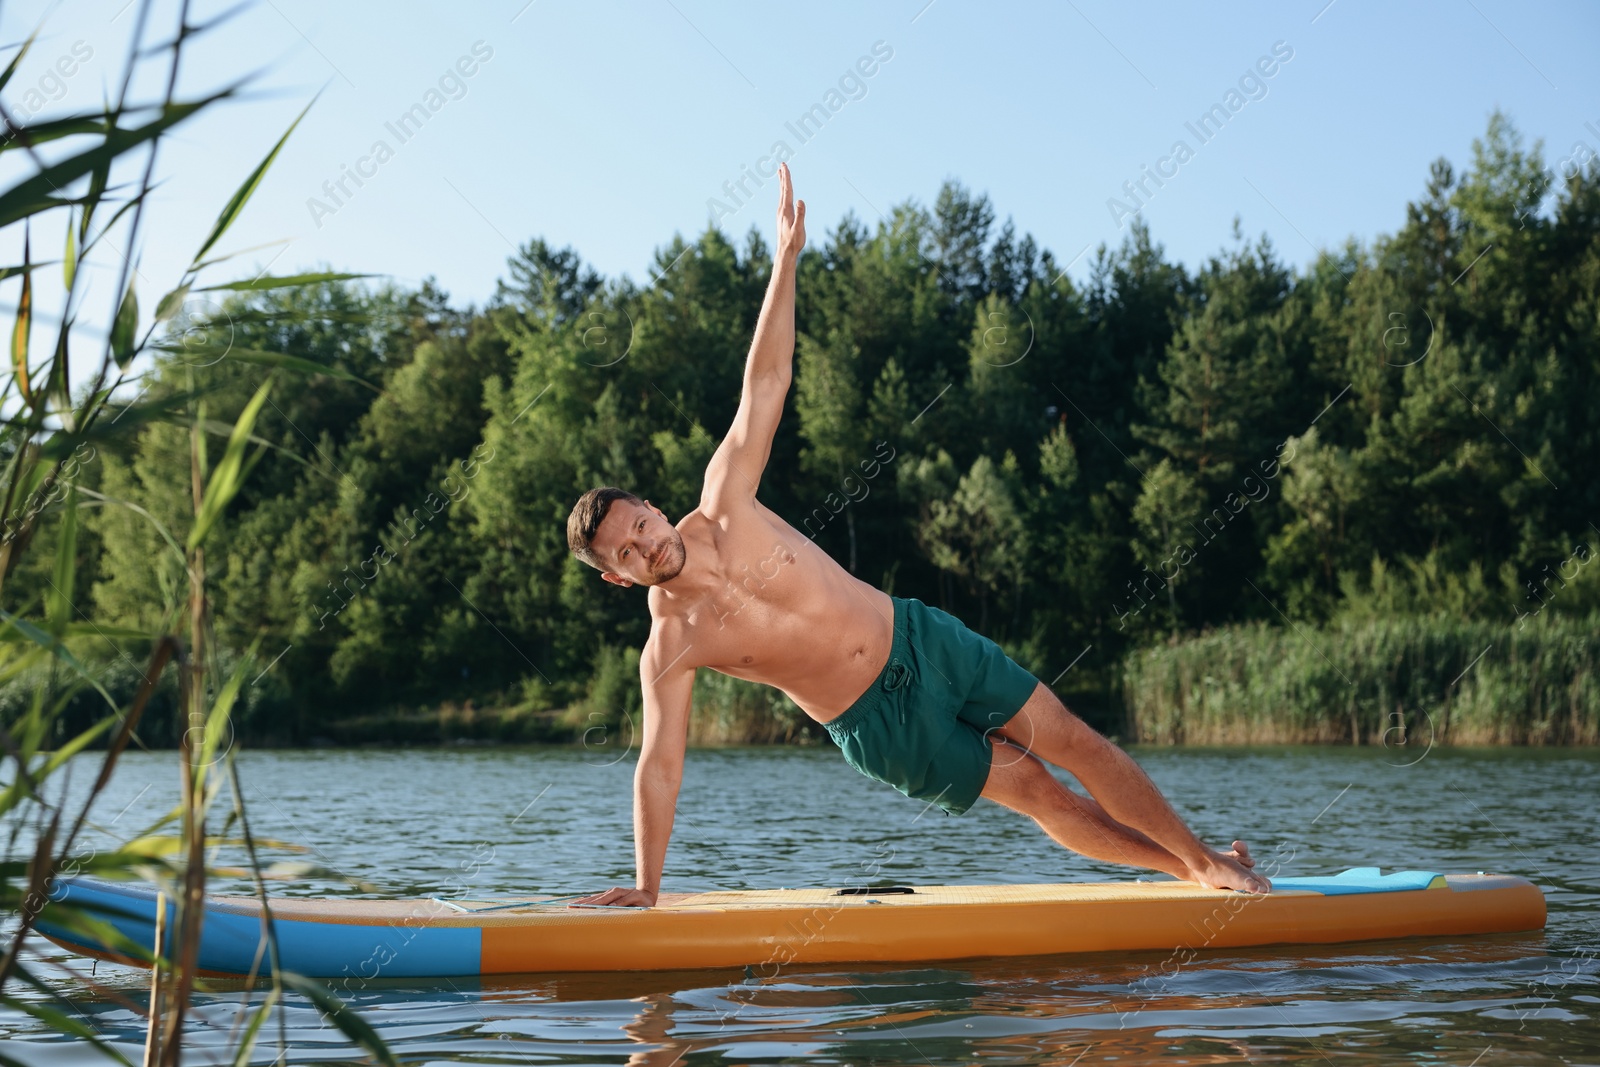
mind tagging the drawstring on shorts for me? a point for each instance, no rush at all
(898, 675)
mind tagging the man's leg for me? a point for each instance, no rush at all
(1047, 729)
(1022, 783)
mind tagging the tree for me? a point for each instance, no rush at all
(978, 534)
(829, 403)
(1168, 544)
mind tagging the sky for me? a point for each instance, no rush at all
(610, 127)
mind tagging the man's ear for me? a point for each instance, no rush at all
(655, 509)
(616, 579)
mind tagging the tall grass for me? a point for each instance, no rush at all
(731, 711)
(1418, 679)
(723, 710)
(89, 175)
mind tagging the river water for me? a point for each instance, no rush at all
(468, 821)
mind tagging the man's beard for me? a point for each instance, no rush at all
(671, 563)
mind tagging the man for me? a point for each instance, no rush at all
(913, 697)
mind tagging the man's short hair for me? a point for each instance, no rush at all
(587, 515)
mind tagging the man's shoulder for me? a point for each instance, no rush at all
(666, 618)
(671, 618)
(668, 644)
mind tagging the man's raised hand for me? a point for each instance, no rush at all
(791, 215)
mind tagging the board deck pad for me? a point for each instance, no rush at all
(1354, 880)
(333, 937)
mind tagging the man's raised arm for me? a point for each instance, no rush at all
(735, 468)
(668, 693)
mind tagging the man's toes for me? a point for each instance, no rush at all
(1241, 852)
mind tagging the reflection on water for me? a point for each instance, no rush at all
(466, 822)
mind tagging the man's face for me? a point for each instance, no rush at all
(637, 545)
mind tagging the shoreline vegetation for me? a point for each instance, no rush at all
(1402, 683)
(1119, 480)
(727, 711)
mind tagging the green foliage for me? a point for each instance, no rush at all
(1102, 468)
(977, 532)
(731, 710)
(613, 696)
(1403, 682)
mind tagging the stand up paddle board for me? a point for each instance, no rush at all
(433, 937)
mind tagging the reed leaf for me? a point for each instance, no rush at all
(229, 474)
(63, 1023)
(334, 1010)
(236, 204)
(58, 598)
(22, 327)
(34, 194)
(286, 281)
(124, 329)
(300, 364)
(55, 648)
(247, 1040)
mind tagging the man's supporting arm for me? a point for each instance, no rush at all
(668, 691)
(667, 697)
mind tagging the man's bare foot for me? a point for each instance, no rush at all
(1231, 870)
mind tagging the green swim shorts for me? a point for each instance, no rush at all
(922, 725)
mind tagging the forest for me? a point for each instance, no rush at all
(1159, 490)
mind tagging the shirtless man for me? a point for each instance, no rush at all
(912, 697)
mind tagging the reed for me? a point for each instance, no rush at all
(1435, 679)
(731, 711)
(87, 176)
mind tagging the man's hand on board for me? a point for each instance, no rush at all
(619, 897)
